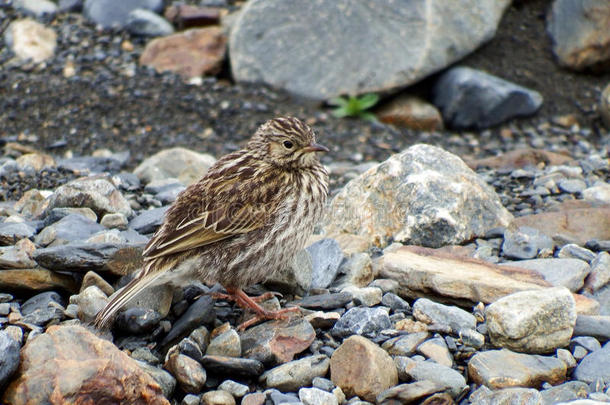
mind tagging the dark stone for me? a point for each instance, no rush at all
(9, 358)
(199, 313)
(588, 342)
(598, 245)
(325, 301)
(40, 301)
(137, 320)
(395, 303)
(71, 228)
(362, 321)
(232, 365)
(190, 348)
(525, 243)
(70, 6)
(148, 221)
(471, 98)
(278, 397)
(110, 13)
(42, 316)
(82, 257)
(127, 181)
(12, 232)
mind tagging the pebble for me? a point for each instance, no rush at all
(411, 370)
(362, 321)
(405, 345)
(365, 296)
(525, 243)
(513, 395)
(297, 373)
(436, 350)
(569, 273)
(116, 220)
(356, 270)
(315, 396)
(600, 272)
(189, 374)
(11, 232)
(326, 256)
(162, 377)
(218, 397)
(234, 388)
(427, 311)
(147, 23)
(137, 320)
(232, 366)
(594, 366)
(200, 312)
(148, 221)
(226, 344)
(9, 357)
(324, 301)
(532, 321)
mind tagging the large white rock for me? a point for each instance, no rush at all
(423, 196)
(31, 40)
(324, 48)
(180, 163)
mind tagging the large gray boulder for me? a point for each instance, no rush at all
(325, 48)
(423, 196)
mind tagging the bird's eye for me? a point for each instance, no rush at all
(288, 144)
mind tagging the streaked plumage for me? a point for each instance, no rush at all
(246, 218)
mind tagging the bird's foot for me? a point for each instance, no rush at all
(261, 314)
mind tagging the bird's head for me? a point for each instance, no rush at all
(286, 142)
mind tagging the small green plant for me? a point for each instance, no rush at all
(354, 106)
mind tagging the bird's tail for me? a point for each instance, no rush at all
(122, 297)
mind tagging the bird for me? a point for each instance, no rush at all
(245, 219)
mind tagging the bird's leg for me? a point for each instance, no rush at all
(243, 300)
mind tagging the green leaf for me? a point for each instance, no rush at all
(340, 112)
(368, 116)
(368, 100)
(338, 101)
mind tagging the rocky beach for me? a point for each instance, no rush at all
(464, 257)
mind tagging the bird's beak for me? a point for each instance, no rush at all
(315, 147)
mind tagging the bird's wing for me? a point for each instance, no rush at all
(211, 211)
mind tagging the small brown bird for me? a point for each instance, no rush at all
(246, 218)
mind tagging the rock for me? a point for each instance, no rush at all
(532, 321)
(97, 193)
(411, 370)
(597, 194)
(71, 228)
(578, 224)
(191, 376)
(362, 321)
(326, 256)
(573, 251)
(190, 53)
(90, 301)
(517, 395)
(11, 232)
(36, 8)
(594, 366)
(600, 272)
(604, 106)
(226, 344)
(425, 271)
(200, 312)
(118, 259)
(357, 270)
(188, 16)
(431, 312)
(221, 365)
(56, 214)
(410, 393)
(147, 23)
(569, 273)
(361, 368)
(94, 164)
(411, 112)
(565, 392)
(92, 278)
(423, 38)
(35, 161)
(9, 357)
(296, 277)
(520, 158)
(30, 40)
(579, 33)
(234, 388)
(571, 186)
(116, 220)
(32, 204)
(257, 398)
(35, 280)
(315, 396)
(324, 320)
(503, 369)
(165, 380)
(18, 256)
(366, 296)
(148, 221)
(180, 163)
(324, 301)
(297, 373)
(471, 98)
(404, 345)
(417, 197)
(108, 13)
(525, 243)
(137, 320)
(68, 363)
(277, 342)
(436, 349)
(217, 398)
(395, 303)
(596, 326)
